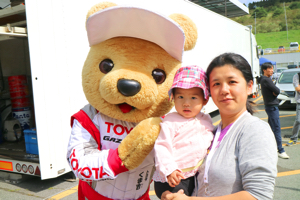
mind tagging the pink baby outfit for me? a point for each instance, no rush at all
(181, 144)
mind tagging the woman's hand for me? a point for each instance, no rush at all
(167, 195)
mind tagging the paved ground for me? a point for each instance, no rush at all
(287, 182)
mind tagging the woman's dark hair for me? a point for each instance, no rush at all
(238, 62)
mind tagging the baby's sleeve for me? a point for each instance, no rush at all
(164, 161)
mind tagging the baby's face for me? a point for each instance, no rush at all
(189, 102)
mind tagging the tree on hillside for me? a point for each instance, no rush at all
(272, 8)
(277, 12)
(267, 3)
(251, 6)
(287, 0)
(276, 2)
(259, 12)
(282, 26)
(294, 5)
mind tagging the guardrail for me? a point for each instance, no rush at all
(276, 51)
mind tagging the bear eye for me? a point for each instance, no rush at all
(159, 76)
(106, 66)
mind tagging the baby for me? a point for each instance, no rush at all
(185, 135)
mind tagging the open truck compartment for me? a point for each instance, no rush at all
(16, 96)
(41, 58)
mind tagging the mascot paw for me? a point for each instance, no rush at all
(139, 142)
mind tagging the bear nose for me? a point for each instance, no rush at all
(128, 87)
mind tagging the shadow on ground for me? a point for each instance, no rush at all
(35, 184)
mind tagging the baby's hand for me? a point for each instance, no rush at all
(174, 178)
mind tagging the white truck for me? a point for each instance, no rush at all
(294, 46)
(47, 42)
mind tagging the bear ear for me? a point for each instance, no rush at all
(189, 28)
(99, 6)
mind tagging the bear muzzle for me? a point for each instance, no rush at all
(127, 88)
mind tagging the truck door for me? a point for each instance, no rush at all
(56, 60)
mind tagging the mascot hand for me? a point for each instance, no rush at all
(139, 142)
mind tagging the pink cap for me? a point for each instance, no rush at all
(188, 77)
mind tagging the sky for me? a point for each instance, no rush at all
(246, 2)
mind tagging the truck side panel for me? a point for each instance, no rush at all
(58, 47)
(56, 83)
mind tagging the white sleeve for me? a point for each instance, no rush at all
(86, 161)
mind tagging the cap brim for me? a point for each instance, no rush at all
(138, 23)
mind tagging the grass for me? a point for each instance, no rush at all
(276, 39)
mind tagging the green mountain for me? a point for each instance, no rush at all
(272, 18)
(274, 23)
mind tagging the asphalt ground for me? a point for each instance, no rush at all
(287, 182)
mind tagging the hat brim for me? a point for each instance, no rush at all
(139, 23)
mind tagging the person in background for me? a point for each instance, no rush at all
(185, 135)
(270, 93)
(242, 162)
(296, 127)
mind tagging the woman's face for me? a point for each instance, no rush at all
(229, 90)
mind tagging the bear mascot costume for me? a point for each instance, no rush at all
(134, 54)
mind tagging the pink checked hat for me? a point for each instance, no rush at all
(188, 77)
(130, 21)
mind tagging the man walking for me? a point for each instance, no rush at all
(296, 126)
(270, 93)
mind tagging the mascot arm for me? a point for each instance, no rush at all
(139, 143)
(87, 161)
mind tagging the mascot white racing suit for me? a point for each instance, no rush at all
(93, 157)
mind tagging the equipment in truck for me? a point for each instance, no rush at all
(12, 131)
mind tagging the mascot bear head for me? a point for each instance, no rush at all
(134, 54)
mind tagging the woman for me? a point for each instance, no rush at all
(242, 161)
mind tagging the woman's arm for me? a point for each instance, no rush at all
(180, 196)
(258, 170)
